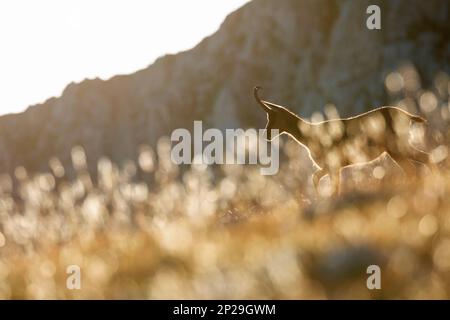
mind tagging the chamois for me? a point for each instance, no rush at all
(336, 143)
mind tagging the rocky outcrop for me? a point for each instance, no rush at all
(306, 53)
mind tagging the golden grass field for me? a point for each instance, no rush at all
(230, 233)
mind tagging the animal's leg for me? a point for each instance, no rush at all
(335, 182)
(422, 157)
(395, 161)
(418, 155)
(407, 167)
(316, 179)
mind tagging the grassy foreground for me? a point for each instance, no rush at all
(230, 233)
(243, 236)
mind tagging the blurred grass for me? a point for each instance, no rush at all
(231, 233)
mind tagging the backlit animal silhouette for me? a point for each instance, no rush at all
(333, 144)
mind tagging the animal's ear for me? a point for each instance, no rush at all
(272, 106)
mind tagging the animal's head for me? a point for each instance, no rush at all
(274, 115)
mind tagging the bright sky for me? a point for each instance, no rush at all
(46, 44)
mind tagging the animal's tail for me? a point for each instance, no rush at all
(414, 118)
(419, 119)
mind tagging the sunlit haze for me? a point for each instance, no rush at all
(47, 44)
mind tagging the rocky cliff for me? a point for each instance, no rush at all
(306, 53)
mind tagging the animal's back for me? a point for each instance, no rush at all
(365, 136)
(389, 112)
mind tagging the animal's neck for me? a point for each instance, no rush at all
(292, 127)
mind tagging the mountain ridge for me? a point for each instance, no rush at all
(306, 53)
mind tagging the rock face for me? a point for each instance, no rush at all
(306, 53)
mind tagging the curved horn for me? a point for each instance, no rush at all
(262, 104)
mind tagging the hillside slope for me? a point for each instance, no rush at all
(305, 52)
